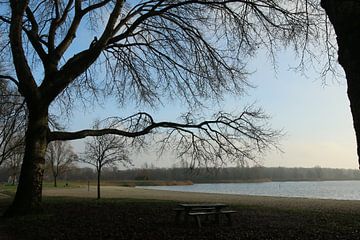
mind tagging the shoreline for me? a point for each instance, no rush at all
(232, 199)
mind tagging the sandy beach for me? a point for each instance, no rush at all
(276, 202)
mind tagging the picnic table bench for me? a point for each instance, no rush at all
(203, 209)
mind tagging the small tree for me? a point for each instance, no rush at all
(59, 157)
(105, 150)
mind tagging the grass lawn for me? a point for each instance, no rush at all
(78, 218)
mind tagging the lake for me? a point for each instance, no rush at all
(345, 190)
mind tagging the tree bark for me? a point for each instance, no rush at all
(98, 183)
(54, 175)
(29, 191)
(55, 183)
(345, 17)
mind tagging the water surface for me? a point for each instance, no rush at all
(346, 190)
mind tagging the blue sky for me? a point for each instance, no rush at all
(315, 116)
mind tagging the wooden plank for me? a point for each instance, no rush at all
(203, 209)
(201, 213)
(227, 211)
(194, 205)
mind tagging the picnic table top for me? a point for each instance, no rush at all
(196, 205)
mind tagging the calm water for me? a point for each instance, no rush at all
(348, 190)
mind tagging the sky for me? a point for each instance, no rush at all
(315, 117)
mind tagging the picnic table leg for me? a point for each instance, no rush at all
(177, 217)
(229, 219)
(198, 221)
(186, 217)
(207, 218)
(217, 218)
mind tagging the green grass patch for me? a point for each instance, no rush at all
(63, 184)
(8, 189)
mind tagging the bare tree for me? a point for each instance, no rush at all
(60, 157)
(106, 150)
(151, 50)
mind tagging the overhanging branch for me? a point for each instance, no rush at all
(225, 138)
(10, 79)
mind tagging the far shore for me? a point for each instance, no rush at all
(273, 202)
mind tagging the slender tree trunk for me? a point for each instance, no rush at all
(55, 183)
(13, 179)
(98, 183)
(345, 17)
(29, 191)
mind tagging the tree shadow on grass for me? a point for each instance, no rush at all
(71, 218)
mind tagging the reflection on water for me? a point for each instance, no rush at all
(347, 190)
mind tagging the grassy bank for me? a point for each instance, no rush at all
(134, 183)
(71, 218)
(122, 183)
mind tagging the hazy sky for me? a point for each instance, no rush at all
(316, 119)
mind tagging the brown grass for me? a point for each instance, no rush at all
(273, 202)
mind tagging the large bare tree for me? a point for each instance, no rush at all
(345, 18)
(150, 51)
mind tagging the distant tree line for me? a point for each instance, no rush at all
(237, 174)
(231, 174)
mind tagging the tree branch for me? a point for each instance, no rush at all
(33, 35)
(226, 136)
(70, 35)
(79, 63)
(27, 84)
(6, 77)
(56, 22)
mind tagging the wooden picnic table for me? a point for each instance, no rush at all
(202, 205)
(202, 209)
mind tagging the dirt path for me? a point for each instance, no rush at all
(278, 202)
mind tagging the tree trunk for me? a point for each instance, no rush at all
(345, 17)
(98, 183)
(13, 179)
(55, 183)
(29, 191)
